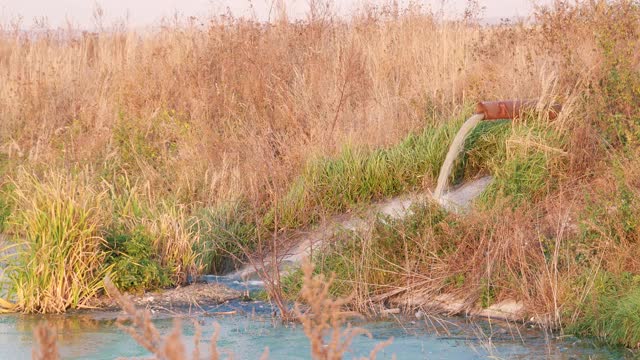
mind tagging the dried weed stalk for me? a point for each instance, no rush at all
(324, 315)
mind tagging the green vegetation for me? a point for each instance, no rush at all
(132, 260)
(58, 262)
(357, 176)
(5, 206)
(227, 234)
(5, 194)
(526, 162)
(611, 311)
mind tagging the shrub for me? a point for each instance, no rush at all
(133, 260)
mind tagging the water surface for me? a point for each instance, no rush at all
(94, 335)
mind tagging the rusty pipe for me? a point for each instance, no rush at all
(511, 109)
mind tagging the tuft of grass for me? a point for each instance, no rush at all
(611, 312)
(175, 235)
(58, 260)
(168, 225)
(227, 234)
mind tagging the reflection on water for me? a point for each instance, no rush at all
(94, 335)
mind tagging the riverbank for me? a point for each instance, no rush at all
(193, 296)
(248, 327)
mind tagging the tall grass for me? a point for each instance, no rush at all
(58, 256)
(227, 235)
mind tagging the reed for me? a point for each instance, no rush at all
(58, 245)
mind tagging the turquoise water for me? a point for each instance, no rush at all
(94, 335)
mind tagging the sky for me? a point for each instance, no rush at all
(148, 12)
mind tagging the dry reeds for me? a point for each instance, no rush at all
(324, 315)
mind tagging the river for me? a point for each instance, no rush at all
(94, 335)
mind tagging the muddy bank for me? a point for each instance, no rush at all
(194, 296)
(449, 305)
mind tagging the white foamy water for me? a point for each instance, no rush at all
(456, 147)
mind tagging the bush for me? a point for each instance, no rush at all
(133, 259)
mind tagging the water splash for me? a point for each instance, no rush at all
(455, 148)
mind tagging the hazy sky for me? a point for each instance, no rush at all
(147, 12)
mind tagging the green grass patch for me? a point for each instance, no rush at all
(483, 146)
(227, 234)
(355, 176)
(526, 162)
(611, 312)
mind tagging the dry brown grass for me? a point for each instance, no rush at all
(206, 110)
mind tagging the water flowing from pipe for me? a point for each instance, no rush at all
(456, 147)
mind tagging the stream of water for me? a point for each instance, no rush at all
(456, 147)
